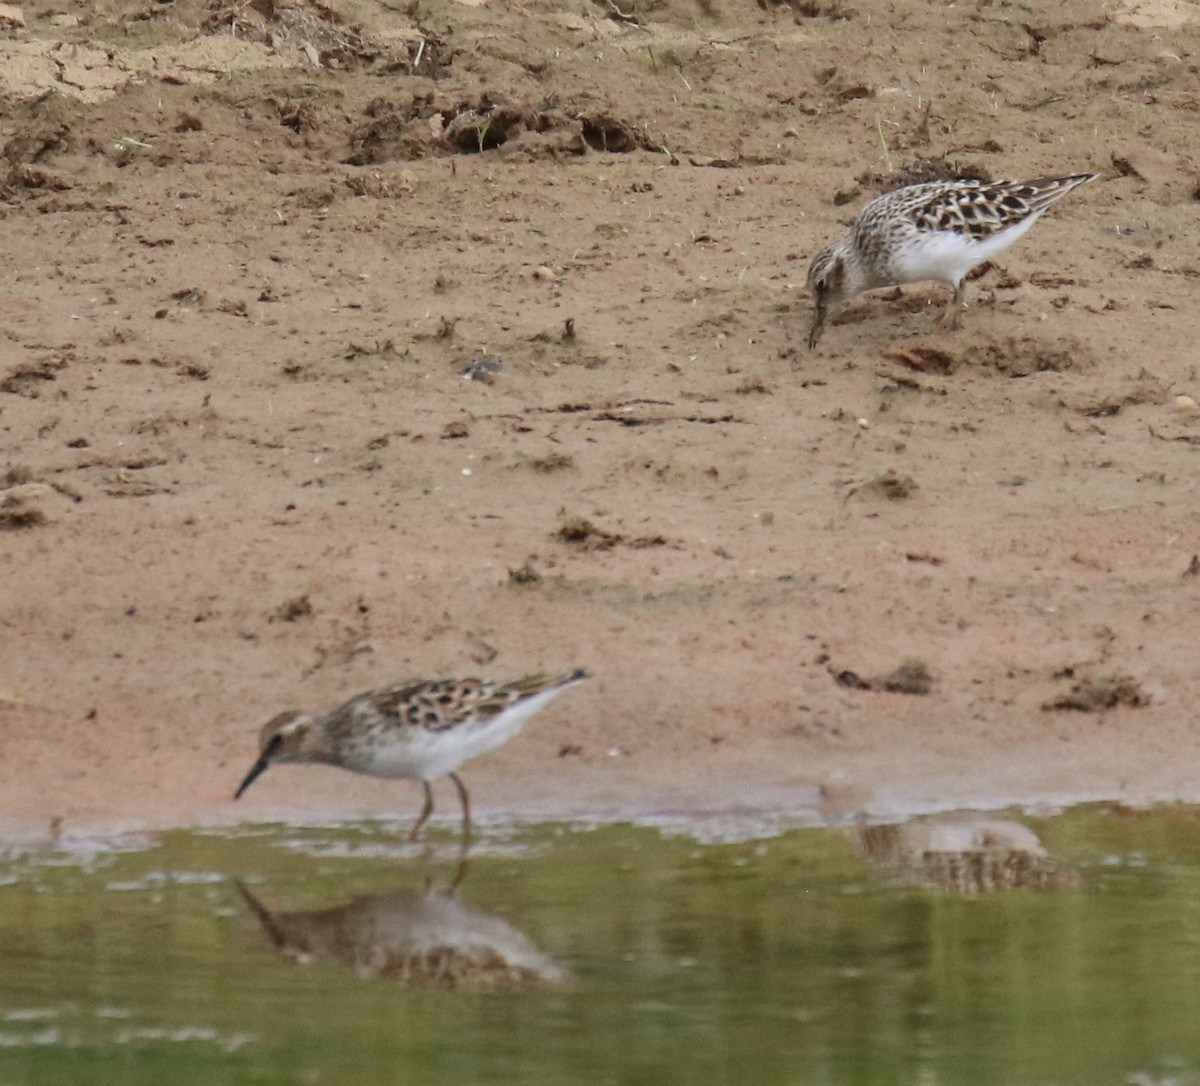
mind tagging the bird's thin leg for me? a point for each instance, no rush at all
(466, 806)
(952, 317)
(459, 874)
(426, 811)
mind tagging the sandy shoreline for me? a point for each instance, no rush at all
(242, 469)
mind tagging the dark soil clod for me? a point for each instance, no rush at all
(1091, 695)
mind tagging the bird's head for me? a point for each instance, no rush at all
(287, 737)
(828, 283)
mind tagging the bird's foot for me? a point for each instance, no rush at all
(951, 318)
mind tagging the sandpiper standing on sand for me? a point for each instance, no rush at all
(939, 230)
(416, 730)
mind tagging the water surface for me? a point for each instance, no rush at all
(613, 954)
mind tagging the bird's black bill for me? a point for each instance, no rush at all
(256, 772)
(814, 333)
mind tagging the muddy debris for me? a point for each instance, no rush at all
(921, 170)
(27, 379)
(26, 505)
(1025, 356)
(378, 187)
(319, 33)
(483, 370)
(584, 535)
(24, 175)
(912, 676)
(375, 348)
(890, 485)
(431, 125)
(922, 358)
(293, 610)
(37, 141)
(581, 532)
(833, 10)
(16, 513)
(1091, 695)
(1101, 405)
(551, 462)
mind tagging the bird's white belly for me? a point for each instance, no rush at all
(421, 754)
(947, 256)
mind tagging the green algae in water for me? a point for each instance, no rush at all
(608, 955)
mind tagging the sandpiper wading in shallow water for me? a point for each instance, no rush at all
(939, 230)
(416, 730)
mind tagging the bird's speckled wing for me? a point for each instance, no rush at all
(441, 704)
(977, 209)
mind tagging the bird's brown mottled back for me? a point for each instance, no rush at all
(978, 208)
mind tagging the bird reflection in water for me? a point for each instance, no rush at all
(426, 938)
(966, 855)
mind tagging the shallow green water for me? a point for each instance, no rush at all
(794, 959)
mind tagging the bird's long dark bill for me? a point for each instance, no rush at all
(274, 932)
(256, 772)
(814, 333)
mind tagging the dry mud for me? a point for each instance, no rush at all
(251, 248)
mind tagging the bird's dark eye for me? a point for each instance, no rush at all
(274, 743)
(821, 284)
